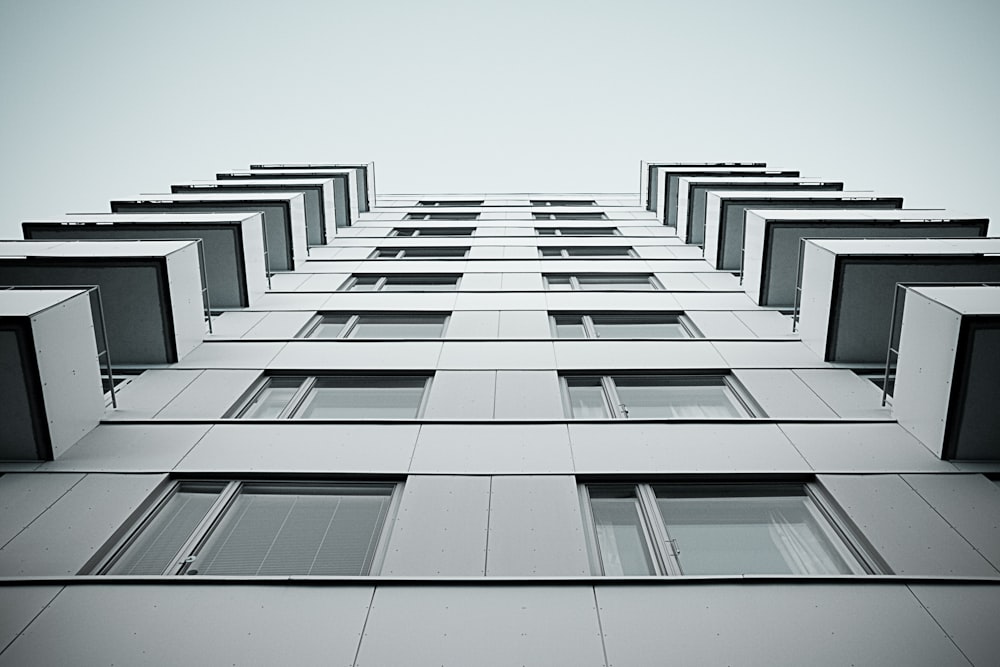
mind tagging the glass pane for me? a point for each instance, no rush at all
(413, 284)
(545, 231)
(586, 398)
(612, 326)
(272, 399)
(558, 283)
(551, 252)
(395, 326)
(405, 232)
(615, 282)
(569, 326)
(434, 253)
(447, 231)
(684, 397)
(363, 397)
(738, 532)
(276, 530)
(330, 326)
(364, 284)
(598, 252)
(620, 538)
(156, 549)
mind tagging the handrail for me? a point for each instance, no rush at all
(106, 353)
(896, 323)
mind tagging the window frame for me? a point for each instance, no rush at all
(413, 253)
(432, 232)
(349, 328)
(186, 555)
(574, 281)
(562, 202)
(662, 550)
(302, 392)
(577, 231)
(590, 328)
(616, 409)
(453, 203)
(429, 215)
(381, 280)
(565, 215)
(567, 252)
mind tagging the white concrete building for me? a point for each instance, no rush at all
(500, 429)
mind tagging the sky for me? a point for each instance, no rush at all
(106, 99)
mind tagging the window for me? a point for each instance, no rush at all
(432, 231)
(401, 283)
(251, 528)
(334, 397)
(577, 231)
(601, 281)
(442, 216)
(588, 251)
(562, 202)
(450, 202)
(376, 325)
(569, 216)
(620, 325)
(720, 529)
(420, 253)
(664, 396)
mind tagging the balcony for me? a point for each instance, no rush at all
(725, 210)
(948, 368)
(284, 217)
(848, 286)
(321, 215)
(51, 381)
(772, 239)
(151, 290)
(233, 244)
(658, 184)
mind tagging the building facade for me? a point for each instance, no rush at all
(296, 424)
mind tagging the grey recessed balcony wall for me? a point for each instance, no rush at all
(848, 286)
(651, 185)
(321, 219)
(284, 217)
(692, 197)
(233, 244)
(151, 290)
(51, 382)
(362, 177)
(725, 210)
(772, 240)
(947, 370)
(344, 197)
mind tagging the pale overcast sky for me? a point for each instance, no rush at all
(107, 99)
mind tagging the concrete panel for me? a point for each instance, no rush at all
(233, 324)
(377, 301)
(497, 355)
(461, 395)
(483, 626)
(24, 497)
(862, 448)
(195, 625)
(680, 448)
(768, 354)
(528, 395)
(911, 537)
(289, 301)
(970, 503)
(735, 624)
(130, 448)
(69, 533)
(767, 323)
(473, 324)
(356, 355)
(18, 607)
(325, 282)
(521, 282)
(440, 530)
(524, 324)
(848, 394)
(719, 324)
(146, 395)
(280, 324)
(210, 395)
(591, 301)
(243, 354)
(783, 395)
(968, 614)
(637, 354)
(535, 528)
(719, 281)
(500, 301)
(480, 282)
(492, 448)
(294, 447)
(712, 301)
